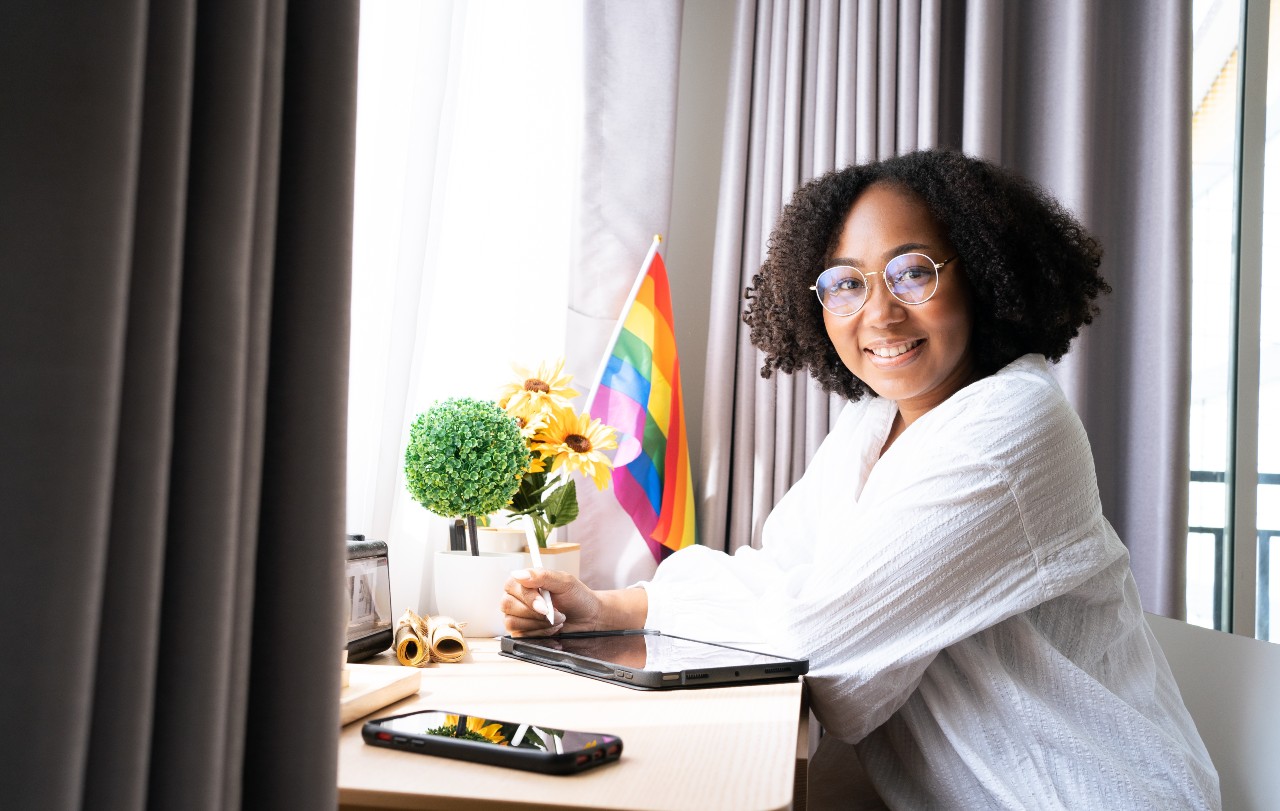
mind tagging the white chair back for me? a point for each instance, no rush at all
(1231, 685)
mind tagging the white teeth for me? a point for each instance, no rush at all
(894, 351)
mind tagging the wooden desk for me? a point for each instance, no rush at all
(700, 750)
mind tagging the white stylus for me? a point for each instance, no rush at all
(531, 539)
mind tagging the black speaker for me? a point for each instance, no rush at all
(369, 597)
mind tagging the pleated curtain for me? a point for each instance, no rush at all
(175, 227)
(1089, 98)
(815, 86)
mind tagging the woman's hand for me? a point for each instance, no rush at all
(577, 607)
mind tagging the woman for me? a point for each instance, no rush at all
(973, 628)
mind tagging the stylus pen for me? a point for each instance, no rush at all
(531, 539)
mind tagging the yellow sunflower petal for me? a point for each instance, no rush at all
(491, 731)
(576, 442)
(534, 391)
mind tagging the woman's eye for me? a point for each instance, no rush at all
(845, 285)
(918, 274)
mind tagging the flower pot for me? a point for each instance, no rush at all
(560, 557)
(469, 588)
(500, 539)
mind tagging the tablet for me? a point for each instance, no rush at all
(650, 660)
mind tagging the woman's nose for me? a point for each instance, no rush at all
(881, 307)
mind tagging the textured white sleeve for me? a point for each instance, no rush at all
(706, 594)
(987, 510)
(976, 514)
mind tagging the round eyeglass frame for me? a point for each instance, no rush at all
(864, 274)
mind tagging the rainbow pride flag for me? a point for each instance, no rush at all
(639, 395)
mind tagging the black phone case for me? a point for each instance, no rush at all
(529, 760)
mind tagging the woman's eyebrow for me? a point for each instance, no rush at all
(905, 247)
(897, 250)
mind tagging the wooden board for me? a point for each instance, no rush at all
(373, 687)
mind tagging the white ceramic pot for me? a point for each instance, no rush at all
(500, 539)
(561, 557)
(469, 588)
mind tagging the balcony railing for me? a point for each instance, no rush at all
(1266, 538)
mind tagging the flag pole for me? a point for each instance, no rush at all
(622, 314)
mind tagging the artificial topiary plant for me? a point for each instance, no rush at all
(465, 458)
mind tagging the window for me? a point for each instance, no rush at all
(1233, 555)
(465, 167)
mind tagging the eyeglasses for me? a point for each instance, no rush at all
(911, 278)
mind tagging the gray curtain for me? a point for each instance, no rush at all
(175, 226)
(1088, 98)
(1095, 107)
(815, 86)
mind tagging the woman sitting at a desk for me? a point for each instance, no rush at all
(969, 614)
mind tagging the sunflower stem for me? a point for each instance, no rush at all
(540, 530)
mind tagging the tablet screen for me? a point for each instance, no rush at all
(655, 651)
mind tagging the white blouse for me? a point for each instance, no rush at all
(970, 618)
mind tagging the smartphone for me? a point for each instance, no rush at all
(498, 743)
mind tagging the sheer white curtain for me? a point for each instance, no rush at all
(466, 162)
(631, 54)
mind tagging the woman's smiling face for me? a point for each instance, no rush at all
(915, 354)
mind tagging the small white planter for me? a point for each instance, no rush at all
(560, 557)
(469, 588)
(500, 539)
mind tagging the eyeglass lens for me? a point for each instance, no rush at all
(912, 278)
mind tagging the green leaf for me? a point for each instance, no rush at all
(562, 504)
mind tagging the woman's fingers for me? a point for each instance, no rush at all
(550, 579)
(538, 627)
(518, 601)
(525, 609)
(522, 619)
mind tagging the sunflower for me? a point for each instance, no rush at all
(576, 442)
(538, 392)
(477, 726)
(531, 427)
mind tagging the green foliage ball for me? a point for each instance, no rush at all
(465, 457)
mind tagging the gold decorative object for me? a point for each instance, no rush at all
(422, 640)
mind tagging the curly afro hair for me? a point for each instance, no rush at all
(1031, 267)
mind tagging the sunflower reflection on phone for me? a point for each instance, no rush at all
(500, 743)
